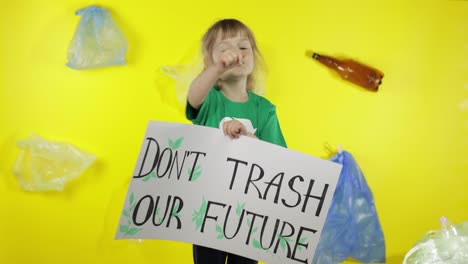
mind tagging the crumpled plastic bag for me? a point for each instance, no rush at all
(352, 228)
(98, 41)
(44, 165)
(192, 64)
(447, 246)
(183, 75)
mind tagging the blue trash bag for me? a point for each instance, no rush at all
(352, 228)
(98, 41)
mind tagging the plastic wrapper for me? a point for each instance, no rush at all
(98, 41)
(47, 166)
(183, 75)
(448, 245)
(352, 228)
(192, 65)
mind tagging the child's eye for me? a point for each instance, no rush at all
(243, 48)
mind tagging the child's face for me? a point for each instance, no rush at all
(240, 45)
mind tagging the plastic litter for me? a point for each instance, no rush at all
(352, 227)
(98, 41)
(44, 165)
(448, 245)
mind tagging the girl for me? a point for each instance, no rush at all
(221, 96)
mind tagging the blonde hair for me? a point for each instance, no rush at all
(229, 28)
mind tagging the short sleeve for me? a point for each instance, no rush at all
(270, 128)
(199, 116)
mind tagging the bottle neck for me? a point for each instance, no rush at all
(328, 61)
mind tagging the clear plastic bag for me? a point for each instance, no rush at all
(192, 65)
(98, 41)
(44, 165)
(183, 75)
(352, 228)
(448, 246)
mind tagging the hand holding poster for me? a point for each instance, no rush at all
(244, 196)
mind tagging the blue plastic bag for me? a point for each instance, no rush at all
(98, 41)
(352, 228)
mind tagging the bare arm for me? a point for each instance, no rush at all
(200, 87)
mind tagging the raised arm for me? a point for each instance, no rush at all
(200, 87)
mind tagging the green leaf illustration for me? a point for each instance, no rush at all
(171, 144)
(174, 211)
(131, 208)
(219, 229)
(123, 228)
(196, 173)
(256, 244)
(133, 231)
(203, 207)
(254, 230)
(284, 241)
(147, 177)
(302, 240)
(128, 229)
(282, 244)
(194, 216)
(197, 216)
(239, 208)
(177, 143)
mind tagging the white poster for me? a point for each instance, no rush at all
(244, 196)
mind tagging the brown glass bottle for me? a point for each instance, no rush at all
(353, 71)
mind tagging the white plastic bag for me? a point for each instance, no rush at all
(44, 165)
(98, 41)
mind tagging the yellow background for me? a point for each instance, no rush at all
(410, 138)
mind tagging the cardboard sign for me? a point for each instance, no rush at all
(244, 196)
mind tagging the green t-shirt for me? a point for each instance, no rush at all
(257, 109)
